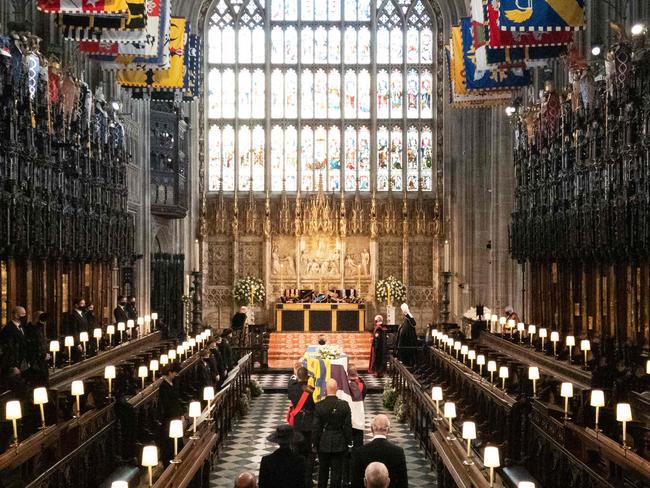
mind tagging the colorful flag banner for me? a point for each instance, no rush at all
(541, 15)
(166, 79)
(89, 27)
(82, 6)
(489, 79)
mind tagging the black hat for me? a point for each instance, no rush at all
(226, 332)
(284, 435)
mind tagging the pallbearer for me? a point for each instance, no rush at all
(379, 349)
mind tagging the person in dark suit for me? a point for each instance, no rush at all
(13, 341)
(171, 407)
(407, 339)
(301, 395)
(203, 371)
(238, 324)
(119, 313)
(131, 308)
(217, 365)
(282, 468)
(37, 354)
(380, 449)
(332, 435)
(225, 349)
(75, 321)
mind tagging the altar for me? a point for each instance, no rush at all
(320, 317)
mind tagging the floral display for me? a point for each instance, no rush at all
(390, 290)
(249, 290)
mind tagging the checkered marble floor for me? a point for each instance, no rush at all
(275, 382)
(247, 444)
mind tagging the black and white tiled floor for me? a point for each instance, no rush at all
(247, 443)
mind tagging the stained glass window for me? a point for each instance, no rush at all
(304, 93)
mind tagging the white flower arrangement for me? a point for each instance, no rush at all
(249, 290)
(471, 313)
(397, 290)
(330, 351)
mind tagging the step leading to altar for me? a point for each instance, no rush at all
(287, 347)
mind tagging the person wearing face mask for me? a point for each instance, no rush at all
(13, 341)
(119, 313)
(75, 322)
(131, 308)
(37, 354)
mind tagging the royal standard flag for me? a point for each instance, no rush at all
(82, 6)
(492, 79)
(89, 27)
(541, 15)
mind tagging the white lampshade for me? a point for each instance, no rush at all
(140, 320)
(154, 315)
(143, 372)
(570, 341)
(533, 373)
(153, 365)
(457, 346)
(40, 396)
(208, 332)
(480, 359)
(525, 484)
(208, 393)
(436, 393)
(185, 345)
(97, 333)
(109, 372)
(13, 410)
(172, 354)
(77, 388)
(147, 318)
(471, 354)
(502, 320)
(120, 484)
(110, 329)
(585, 345)
(623, 412)
(195, 409)
(647, 367)
(176, 429)
(469, 430)
(464, 349)
(494, 318)
(492, 366)
(450, 341)
(83, 336)
(192, 342)
(121, 326)
(449, 410)
(434, 332)
(521, 327)
(566, 390)
(130, 324)
(555, 336)
(543, 333)
(491, 457)
(164, 359)
(444, 338)
(68, 341)
(149, 456)
(510, 324)
(55, 346)
(180, 350)
(597, 398)
(503, 372)
(532, 329)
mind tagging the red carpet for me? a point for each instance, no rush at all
(287, 347)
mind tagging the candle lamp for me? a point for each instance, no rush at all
(532, 330)
(443, 343)
(533, 375)
(647, 367)
(83, 338)
(40, 399)
(463, 351)
(121, 327)
(471, 355)
(192, 343)
(457, 347)
(469, 434)
(543, 334)
(449, 410)
(164, 359)
(186, 347)
(624, 415)
(194, 413)
(110, 374)
(140, 323)
(97, 335)
(172, 355)
(153, 367)
(149, 460)
(110, 330)
(585, 347)
(493, 321)
(597, 401)
(147, 323)
(208, 395)
(130, 324)
(502, 325)
(436, 396)
(566, 392)
(510, 325)
(555, 338)
(69, 343)
(492, 367)
(491, 460)
(180, 350)
(143, 372)
(521, 327)
(504, 375)
(480, 361)
(176, 432)
(13, 412)
(450, 344)
(570, 342)
(77, 389)
(120, 484)
(55, 347)
(525, 484)
(154, 317)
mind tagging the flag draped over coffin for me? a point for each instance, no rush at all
(82, 6)
(541, 15)
(115, 48)
(89, 27)
(166, 79)
(490, 79)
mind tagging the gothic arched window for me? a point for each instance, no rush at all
(310, 92)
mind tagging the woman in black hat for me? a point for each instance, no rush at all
(282, 468)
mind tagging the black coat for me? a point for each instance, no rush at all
(13, 343)
(332, 430)
(407, 341)
(226, 353)
(217, 364)
(304, 420)
(73, 323)
(120, 314)
(282, 469)
(37, 352)
(379, 351)
(238, 321)
(131, 311)
(383, 451)
(170, 403)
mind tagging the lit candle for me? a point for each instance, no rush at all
(388, 288)
(447, 258)
(197, 254)
(186, 289)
